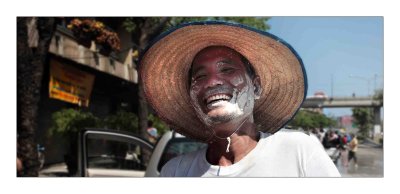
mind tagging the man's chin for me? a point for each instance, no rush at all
(222, 112)
(218, 117)
(221, 119)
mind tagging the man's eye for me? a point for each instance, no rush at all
(199, 77)
(227, 70)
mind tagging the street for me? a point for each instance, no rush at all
(370, 163)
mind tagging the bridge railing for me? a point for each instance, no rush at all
(313, 102)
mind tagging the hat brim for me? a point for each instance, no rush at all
(164, 72)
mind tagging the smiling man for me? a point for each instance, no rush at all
(234, 88)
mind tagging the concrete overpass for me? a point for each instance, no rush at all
(347, 102)
(341, 102)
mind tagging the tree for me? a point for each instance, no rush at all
(143, 30)
(302, 119)
(378, 95)
(255, 22)
(30, 66)
(308, 120)
(363, 119)
(122, 120)
(68, 123)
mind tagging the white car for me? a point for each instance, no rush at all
(111, 153)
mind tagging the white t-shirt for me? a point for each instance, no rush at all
(286, 153)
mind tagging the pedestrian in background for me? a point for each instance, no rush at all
(321, 134)
(343, 149)
(353, 146)
(152, 132)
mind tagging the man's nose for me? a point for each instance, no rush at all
(213, 80)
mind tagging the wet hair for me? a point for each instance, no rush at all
(249, 67)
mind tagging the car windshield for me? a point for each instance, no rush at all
(178, 146)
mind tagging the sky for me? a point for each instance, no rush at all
(341, 55)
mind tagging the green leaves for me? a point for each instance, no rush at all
(378, 95)
(69, 121)
(255, 22)
(122, 120)
(363, 119)
(129, 25)
(137, 23)
(308, 120)
(158, 124)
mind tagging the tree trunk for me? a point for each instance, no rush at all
(149, 30)
(30, 65)
(143, 111)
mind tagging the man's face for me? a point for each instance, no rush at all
(221, 89)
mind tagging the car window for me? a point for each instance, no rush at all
(105, 151)
(178, 146)
(109, 154)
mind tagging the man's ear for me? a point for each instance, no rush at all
(257, 87)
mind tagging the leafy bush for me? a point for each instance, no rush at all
(68, 122)
(158, 124)
(363, 118)
(122, 120)
(308, 120)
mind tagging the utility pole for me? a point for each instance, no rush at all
(365, 79)
(375, 76)
(331, 85)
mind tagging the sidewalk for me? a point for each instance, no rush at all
(370, 143)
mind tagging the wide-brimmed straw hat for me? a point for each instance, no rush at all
(165, 65)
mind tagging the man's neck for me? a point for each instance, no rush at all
(242, 142)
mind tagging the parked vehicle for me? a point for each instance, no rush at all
(111, 153)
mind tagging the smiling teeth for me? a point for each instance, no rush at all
(218, 97)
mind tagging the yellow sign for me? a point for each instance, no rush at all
(70, 84)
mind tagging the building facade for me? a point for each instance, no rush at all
(113, 83)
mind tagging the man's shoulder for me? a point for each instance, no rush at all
(290, 133)
(291, 137)
(180, 162)
(187, 156)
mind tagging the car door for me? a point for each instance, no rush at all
(111, 153)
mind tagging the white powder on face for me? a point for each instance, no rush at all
(225, 108)
(241, 103)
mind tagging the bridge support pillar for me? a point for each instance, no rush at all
(377, 131)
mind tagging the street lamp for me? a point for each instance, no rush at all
(366, 79)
